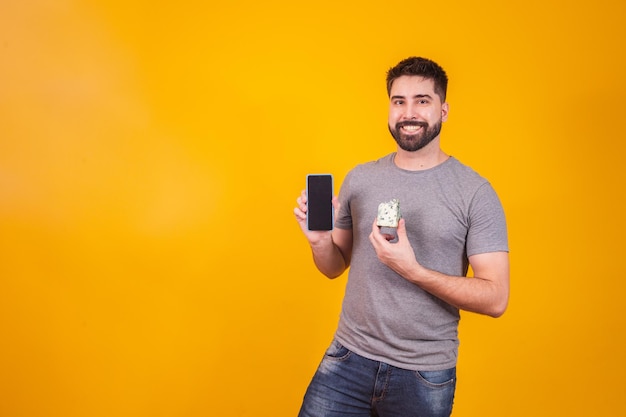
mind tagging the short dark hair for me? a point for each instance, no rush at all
(420, 67)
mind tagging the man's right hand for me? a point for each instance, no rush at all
(332, 250)
(313, 236)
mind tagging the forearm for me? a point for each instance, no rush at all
(328, 257)
(473, 294)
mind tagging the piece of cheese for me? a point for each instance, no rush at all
(389, 213)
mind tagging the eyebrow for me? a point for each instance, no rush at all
(415, 96)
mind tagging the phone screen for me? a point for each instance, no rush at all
(319, 189)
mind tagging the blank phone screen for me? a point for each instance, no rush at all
(320, 202)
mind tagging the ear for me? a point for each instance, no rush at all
(445, 108)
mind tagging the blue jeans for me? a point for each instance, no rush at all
(347, 384)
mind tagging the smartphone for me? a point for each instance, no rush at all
(319, 191)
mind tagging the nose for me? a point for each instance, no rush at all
(410, 112)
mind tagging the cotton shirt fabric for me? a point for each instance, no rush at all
(451, 212)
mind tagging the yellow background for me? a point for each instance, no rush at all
(151, 154)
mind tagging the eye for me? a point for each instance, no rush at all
(398, 102)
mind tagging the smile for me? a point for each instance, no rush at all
(411, 128)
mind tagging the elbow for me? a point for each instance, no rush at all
(499, 303)
(496, 313)
(335, 270)
(333, 274)
(498, 308)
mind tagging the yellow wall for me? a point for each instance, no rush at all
(151, 154)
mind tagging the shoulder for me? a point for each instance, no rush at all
(477, 190)
(463, 182)
(372, 169)
(372, 166)
(463, 175)
(458, 168)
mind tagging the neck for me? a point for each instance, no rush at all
(425, 158)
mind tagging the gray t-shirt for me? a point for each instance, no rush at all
(451, 213)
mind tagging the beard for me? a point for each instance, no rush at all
(412, 143)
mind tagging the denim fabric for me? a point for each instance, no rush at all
(347, 384)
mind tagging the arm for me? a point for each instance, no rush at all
(331, 250)
(485, 293)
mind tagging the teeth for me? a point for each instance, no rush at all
(411, 128)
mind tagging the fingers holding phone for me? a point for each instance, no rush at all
(317, 206)
(301, 208)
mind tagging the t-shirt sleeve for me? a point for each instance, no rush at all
(487, 223)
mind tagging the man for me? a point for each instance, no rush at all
(395, 349)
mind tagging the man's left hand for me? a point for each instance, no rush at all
(398, 256)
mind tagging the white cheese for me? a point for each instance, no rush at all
(389, 213)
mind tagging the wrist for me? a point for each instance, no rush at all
(321, 241)
(418, 274)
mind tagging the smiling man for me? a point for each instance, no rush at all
(395, 350)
